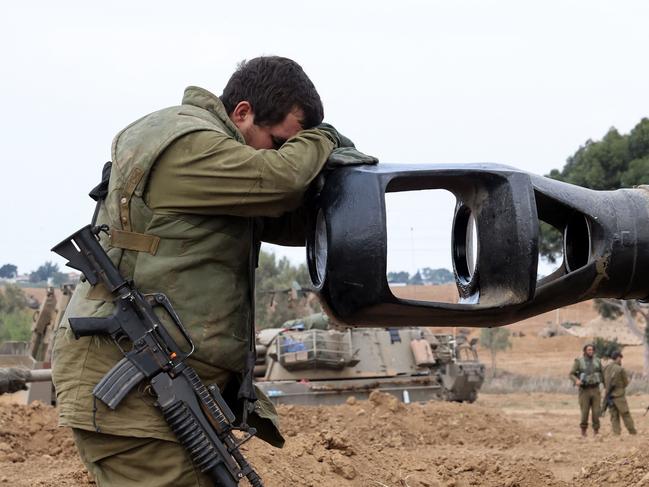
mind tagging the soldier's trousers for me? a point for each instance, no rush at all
(620, 408)
(589, 401)
(120, 461)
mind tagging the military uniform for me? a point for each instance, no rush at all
(187, 203)
(616, 378)
(589, 371)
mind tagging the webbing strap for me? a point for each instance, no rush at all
(125, 199)
(140, 242)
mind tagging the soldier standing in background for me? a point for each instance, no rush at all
(586, 373)
(615, 382)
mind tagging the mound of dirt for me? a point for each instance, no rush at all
(630, 470)
(384, 442)
(28, 431)
(376, 443)
(34, 451)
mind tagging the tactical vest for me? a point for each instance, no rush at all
(200, 262)
(590, 370)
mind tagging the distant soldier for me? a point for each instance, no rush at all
(586, 373)
(615, 382)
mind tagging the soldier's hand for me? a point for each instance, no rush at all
(345, 153)
(577, 382)
(339, 139)
(349, 156)
(13, 380)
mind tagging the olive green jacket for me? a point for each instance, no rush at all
(184, 198)
(615, 377)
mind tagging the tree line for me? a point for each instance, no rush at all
(48, 272)
(422, 276)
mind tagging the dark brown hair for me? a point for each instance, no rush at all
(273, 86)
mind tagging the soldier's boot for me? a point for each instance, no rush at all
(595, 432)
(583, 432)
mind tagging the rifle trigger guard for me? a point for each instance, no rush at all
(161, 300)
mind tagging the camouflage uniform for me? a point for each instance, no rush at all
(187, 203)
(589, 371)
(617, 379)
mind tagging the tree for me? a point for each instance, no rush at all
(15, 317)
(437, 276)
(616, 161)
(605, 348)
(495, 340)
(44, 272)
(12, 299)
(281, 292)
(399, 277)
(8, 271)
(416, 280)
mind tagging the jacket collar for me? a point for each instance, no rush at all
(200, 97)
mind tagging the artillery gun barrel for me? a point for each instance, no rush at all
(32, 375)
(40, 375)
(494, 244)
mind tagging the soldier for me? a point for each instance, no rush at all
(586, 373)
(192, 191)
(615, 382)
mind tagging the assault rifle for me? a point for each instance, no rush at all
(608, 400)
(606, 403)
(198, 415)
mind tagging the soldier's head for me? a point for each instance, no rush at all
(589, 350)
(270, 99)
(617, 357)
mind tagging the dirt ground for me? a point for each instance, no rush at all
(503, 440)
(512, 440)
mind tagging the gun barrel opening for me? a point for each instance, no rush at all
(577, 242)
(465, 244)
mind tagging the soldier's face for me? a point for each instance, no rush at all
(590, 351)
(265, 136)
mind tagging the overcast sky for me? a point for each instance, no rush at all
(514, 82)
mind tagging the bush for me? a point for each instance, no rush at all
(604, 348)
(15, 326)
(15, 317)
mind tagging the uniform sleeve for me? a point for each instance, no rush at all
(211, 173)
(624, 379)
(574, 371)
(289, 229)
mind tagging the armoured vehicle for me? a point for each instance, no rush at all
(306, 362)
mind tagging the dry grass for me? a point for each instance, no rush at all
(508, 383)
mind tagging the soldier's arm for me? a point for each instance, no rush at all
(624, 378)
(210, 173)
(574, 371)
(288, 229)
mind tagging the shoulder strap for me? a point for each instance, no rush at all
(247, 388)
(99, 192)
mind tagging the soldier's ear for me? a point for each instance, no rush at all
(241, 112)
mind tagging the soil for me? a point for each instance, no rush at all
(513, 440)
